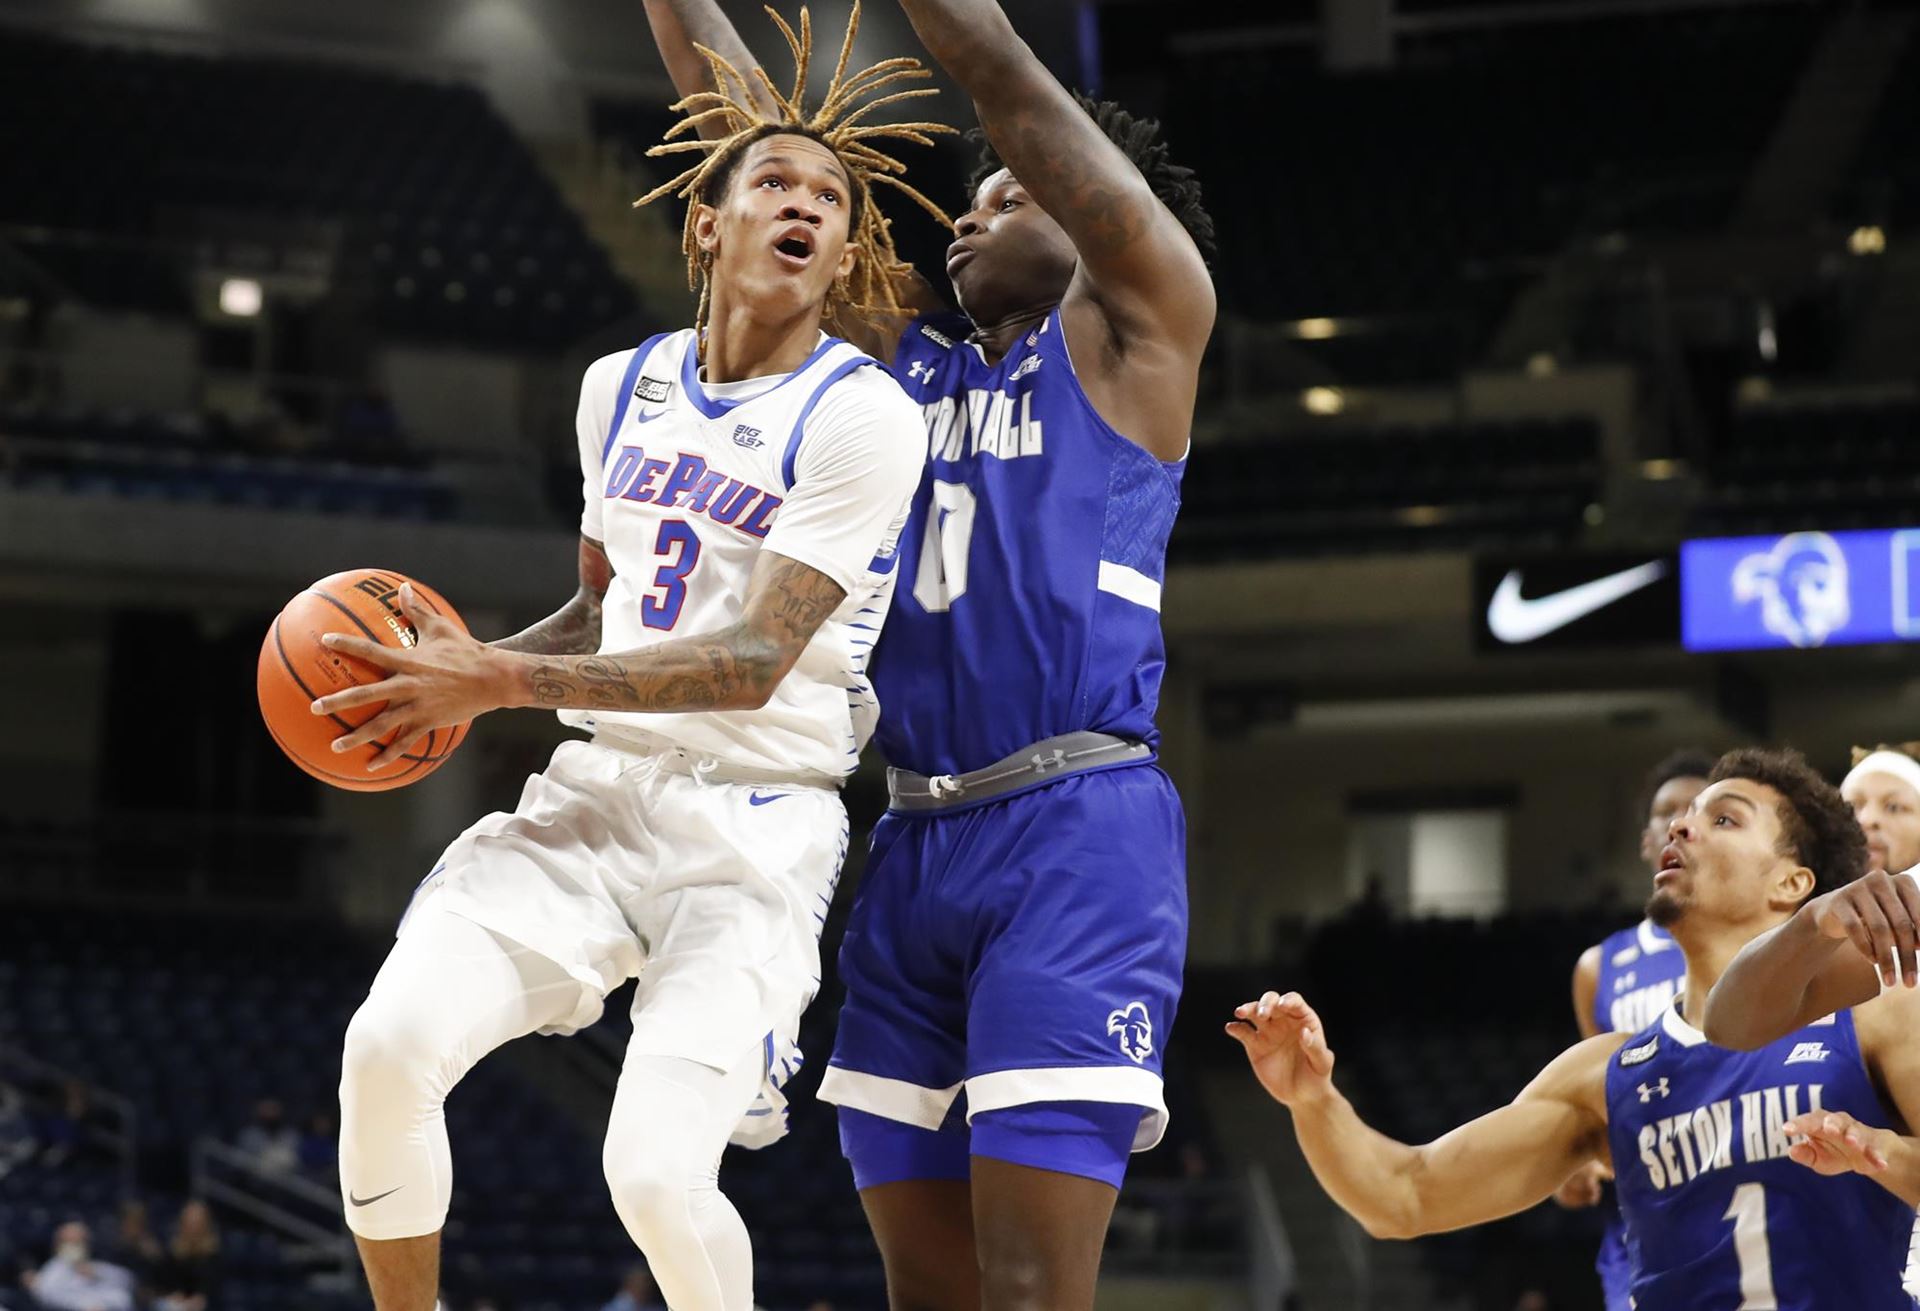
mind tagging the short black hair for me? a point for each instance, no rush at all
(1685, 762)
(714, 186)
(1817, 827)
(1141, 142)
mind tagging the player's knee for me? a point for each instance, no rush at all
(1015, 1278)
(650, 1192)
(391, 1051)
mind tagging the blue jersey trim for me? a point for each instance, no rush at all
(712, 406)
(627, 380)
(800, 424)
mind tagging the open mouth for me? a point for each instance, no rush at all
(1670, 861)
(795, 247)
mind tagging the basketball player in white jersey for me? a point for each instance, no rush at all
(743, 491)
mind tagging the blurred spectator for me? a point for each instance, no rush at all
(637, 1293)
(73, 1281)
(16, 1130)
(320, 1145)
(133, 1244)
(188, 1276)
(270, 1140)
(63, 1133)
(1533, 1300)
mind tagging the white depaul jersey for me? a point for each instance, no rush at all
(686, 482)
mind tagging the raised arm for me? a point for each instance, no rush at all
(1499, 1164)
(1835, 952)
(1135, 258)
(679, 25)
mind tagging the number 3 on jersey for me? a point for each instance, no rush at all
(677, 539)
(942, 579)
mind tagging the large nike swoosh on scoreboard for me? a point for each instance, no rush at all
(1515, 619)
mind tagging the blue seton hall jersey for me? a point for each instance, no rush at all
(1641, 970)
(1028, 601)
(1718, 1217)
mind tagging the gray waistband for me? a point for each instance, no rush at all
(1055, 757)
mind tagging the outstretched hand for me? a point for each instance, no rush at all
(1286, 1046)
(1880, 916)
(446, 677)
(1836, 1143)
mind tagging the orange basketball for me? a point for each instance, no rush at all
(296, 670)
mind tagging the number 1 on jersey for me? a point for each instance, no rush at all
(676, 536)
(1748, 1211)
(942, 578)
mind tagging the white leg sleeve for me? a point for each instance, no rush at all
(449, 993)
(671, 1118)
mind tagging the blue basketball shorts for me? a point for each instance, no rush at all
(1021, 952)
(1614, 1265)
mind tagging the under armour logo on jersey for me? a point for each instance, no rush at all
(653, 390)
(1054, 759)
(1135, 1029)
(747, 437)
(920, 371)
(1649, 1091)
(1807, 1051)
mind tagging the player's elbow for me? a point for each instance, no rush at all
(1726, 1027)
(1390, 1227)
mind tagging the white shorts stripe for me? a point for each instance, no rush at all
(1129, 585)
(890, 1099)
(1125, 1085)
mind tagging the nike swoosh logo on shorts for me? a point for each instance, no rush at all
(758, 800)
(369, 1201)
(1515, 619)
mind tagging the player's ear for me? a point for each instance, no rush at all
(1796, 885)
(848, 258)
(706, 231)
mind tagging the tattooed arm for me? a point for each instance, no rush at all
(573, 629)
(449, 678)
(736, 668)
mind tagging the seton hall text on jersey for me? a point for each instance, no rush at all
(684, 482)
(993, 423)
(1677, 1149)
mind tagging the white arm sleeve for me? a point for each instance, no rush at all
(597, 399)
(859, 463)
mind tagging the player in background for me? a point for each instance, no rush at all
(1787, 974)
(1723, 1206)
(744, 484)
(1621, 985)
(1014, 958)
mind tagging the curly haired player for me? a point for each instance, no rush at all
(745, 482)
(1014, 958)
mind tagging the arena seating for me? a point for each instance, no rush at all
(1433, 185)
(204, 458)
(1853, 464)
(1359, 490)
(438, 205)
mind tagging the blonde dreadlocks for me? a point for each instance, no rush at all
(836, 124)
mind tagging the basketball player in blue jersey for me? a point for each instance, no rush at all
(1722, 1211)
(1620, 985)
(1014, 958)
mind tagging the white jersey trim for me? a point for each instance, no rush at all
(1129, 585)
